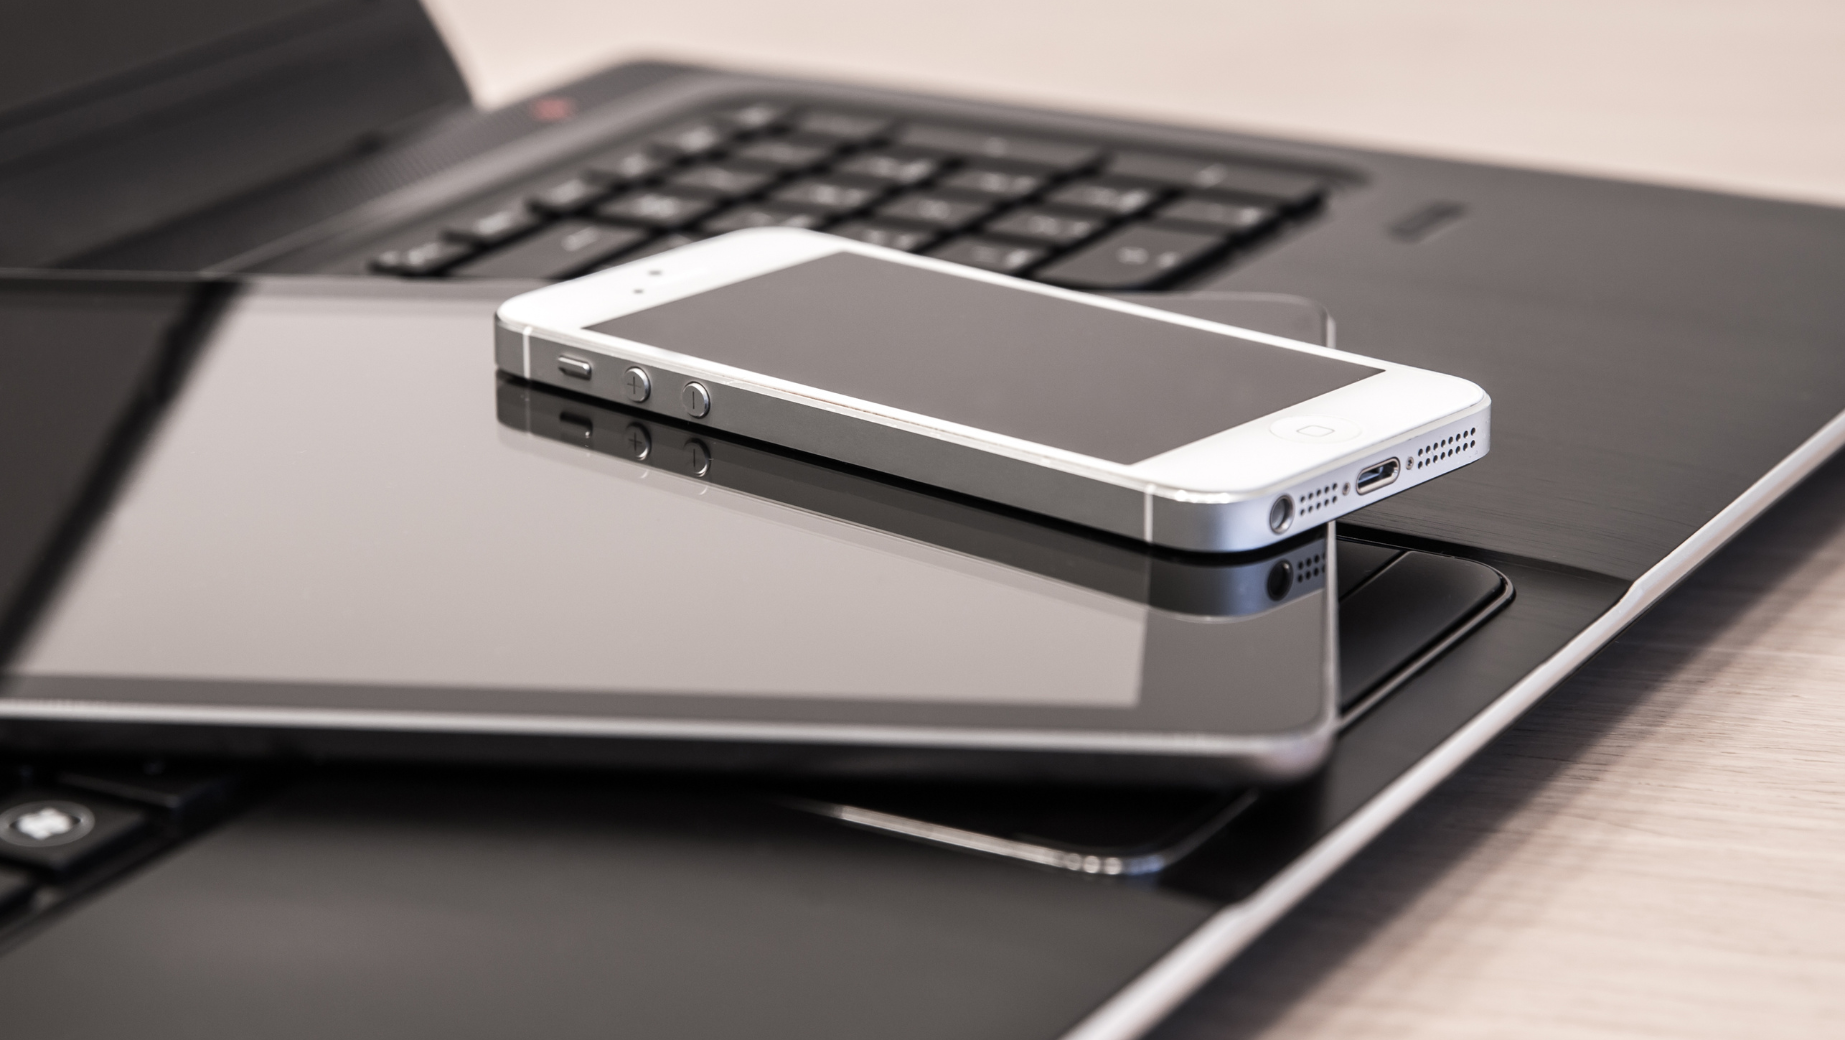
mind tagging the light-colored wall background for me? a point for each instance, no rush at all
(1731, 94)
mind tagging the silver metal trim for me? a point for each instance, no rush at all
(1028, 852)
(1142, 1003)
(1289, 751)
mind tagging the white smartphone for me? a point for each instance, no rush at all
(1155, 426)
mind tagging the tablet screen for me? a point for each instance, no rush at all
(338, 512)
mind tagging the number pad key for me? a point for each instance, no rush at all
(632, 163)
(1219, 213)
(830, 194)
(891, 236)
(842, 126)
(693, 139)
(655, 208)
(1047, 226)
(1286, 187)
(758, 116)
(788, 154)
(570, 196)
(945, 212)
(1057, 155)
(754, 215)
(988, 255)
(894, 168)
(1132, 258)
(720, 179)
(1004, 184)
(1121, 198)
(495, 226)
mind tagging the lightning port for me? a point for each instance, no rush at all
(1374, 477)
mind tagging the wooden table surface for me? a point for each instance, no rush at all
(1659, 848)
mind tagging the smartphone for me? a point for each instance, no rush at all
(1151, 425)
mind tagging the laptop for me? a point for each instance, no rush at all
(1662, 361)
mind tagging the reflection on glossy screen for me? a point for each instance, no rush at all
(375, 525)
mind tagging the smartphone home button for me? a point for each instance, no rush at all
(1315, 429)
(697, 400)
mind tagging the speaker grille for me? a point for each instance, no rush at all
(1445, 448)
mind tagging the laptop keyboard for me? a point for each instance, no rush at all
(1071, 213)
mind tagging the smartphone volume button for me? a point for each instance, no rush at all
(636, 384)
(696, 399)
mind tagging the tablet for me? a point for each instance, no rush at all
(347, 531)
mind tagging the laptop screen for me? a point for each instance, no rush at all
(54, 48)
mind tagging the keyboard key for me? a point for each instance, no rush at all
(693, 139)
(558, 252)
(1047, 226)
(830, 194)
(895, 168)
(757, 214)
(1004, 257)
(629, 163)
(842, 126)
(59, 831)
(1121, 198)
(726, 180)
(890, 236)
(175, 789)
(1005, 184)
(758, 116)
(426, 259)
(947, 213)
(1218, 213)
(787, 153)
(1058, 155)
(658, 208)
(1131, 258)
(1286, 187)
(572, 195)
(491, 228)
(15, 887)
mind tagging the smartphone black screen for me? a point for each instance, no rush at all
(1098, 382)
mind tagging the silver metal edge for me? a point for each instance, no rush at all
(1288, 752)
(1043, 855)
(1142, 1003)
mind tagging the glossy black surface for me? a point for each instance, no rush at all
(81, 375)
(454, 906)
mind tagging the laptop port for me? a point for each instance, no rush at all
(1374, 477)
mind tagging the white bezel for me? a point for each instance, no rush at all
(1244, 462)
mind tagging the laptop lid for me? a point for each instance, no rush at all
(201, 99)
